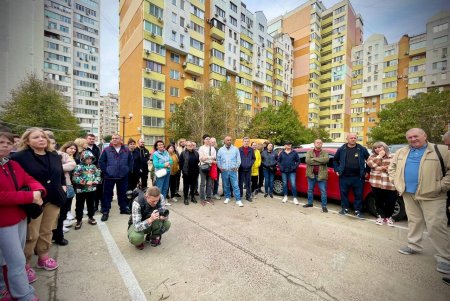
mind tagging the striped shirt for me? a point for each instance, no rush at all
(379, 177)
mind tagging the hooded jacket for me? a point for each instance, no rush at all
(84, 173)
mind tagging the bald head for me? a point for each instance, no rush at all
(351, 139)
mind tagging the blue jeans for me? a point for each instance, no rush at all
(244, 177)
(357, 184)
(12, 242)
(268, 180)
(291, 176)
(323, 190)
(230, 177)
(163, 184)
(108, 188)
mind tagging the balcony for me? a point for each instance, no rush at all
(193, 69)
(216, 33)
(189, 84)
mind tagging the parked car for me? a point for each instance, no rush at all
(333, 191)
(395, 147)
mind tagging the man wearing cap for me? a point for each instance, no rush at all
(288, 160)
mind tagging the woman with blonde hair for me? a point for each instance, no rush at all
(383, 190)
(39, 160)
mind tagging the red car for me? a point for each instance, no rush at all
(333, 191)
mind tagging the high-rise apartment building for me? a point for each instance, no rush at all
(58, 40)
(384, 73)
(168, 49)
(109, 110)
(323, 39)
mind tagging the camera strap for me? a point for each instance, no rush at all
(13, 175)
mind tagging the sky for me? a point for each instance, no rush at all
(393, 18)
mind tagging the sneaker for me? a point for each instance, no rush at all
(92, 221)
(239, 203)
(31, 274)
(186, 201)
(307, 205)
(168, 204)
(379, 221)
(105, 217)
(324, 210)
(216, 197)
(390, 222)
(446, 280)
(78, 225)
(359, 214)
(140, 247)
(271, 195)
(296, 201)
(154, 242)
(67, 223)
(265, 195)
(47, 263)
(177, 195)
(443, 267)
(65, 229)
(284, 200)
(193, 200)
(174, 200)
(70, 216)
(407, 251)
(343, 211)
(227, 200)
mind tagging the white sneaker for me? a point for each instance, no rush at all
(67, 223)
(168, 204)
(239, 203)
(216, 197)
(284, 200)
(65, 230)
(70, 216)
(226, 201)
(174, 200)
(295, 201)
(85, 211)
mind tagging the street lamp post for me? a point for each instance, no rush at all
(123, 120)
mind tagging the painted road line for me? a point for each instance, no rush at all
(136, 293)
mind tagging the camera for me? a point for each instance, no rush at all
(163, 212)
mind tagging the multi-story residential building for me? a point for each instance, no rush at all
(58, 40)
(109, 110)
(168, 49)
(384, 73)
(323, 39)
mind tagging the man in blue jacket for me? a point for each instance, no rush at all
(350, 166)
(115, 162)
(245, 169)
(288, 161)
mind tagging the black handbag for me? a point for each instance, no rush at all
(32, 210)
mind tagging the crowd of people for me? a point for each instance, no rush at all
(38, 184)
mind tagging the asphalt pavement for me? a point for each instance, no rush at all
(265, 250)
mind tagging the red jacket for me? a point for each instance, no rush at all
(10, 212)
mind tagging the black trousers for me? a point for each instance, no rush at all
(89, 199)
(189, 184)
(58, 233)
(385, 201)
(244, 177)
(133, 180)
(255, 184)
(261, 177)
(144, 178)
(173, 181)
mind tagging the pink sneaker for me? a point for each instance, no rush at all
(390, 222)
(31, 274)
(47, 263)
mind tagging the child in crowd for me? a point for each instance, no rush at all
(86, 175)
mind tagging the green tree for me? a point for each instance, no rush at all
(214, 111)
(279, 124)
(429, 111)
(38, 104)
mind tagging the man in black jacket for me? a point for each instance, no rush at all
(245, 169)
(145, 157)
(189, 160)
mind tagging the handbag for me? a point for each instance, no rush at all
(205, 167)
(70, 193)
(32, 210)
(213, 172)
(161, 173)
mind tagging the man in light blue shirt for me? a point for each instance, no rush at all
(228, 161)
(412, 168)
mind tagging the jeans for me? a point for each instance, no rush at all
(268, 180)
(244, 177)
(357, 184)
(323, 190)
(163, 184)
(12, 242)
(230, 177)
(108, 187)
(206, 186)
(291, 176)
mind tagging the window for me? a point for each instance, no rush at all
(153, 84)
(390, 63)
(442, 65)
(440, 40)
(337, 88)
(156, 11)
(233, 7)
(175, 92)
(153, 121)
(418, 45)
(153, 103)
(175, 58)
(174, 74)
(174, 18)
(217, 69)
(416, 68)
(195, 60)
(197, 28)
(153, 28)
(197, 44)
(440, 27)
(174, 2)
(197, 12)
(181, 21)
(261, 27)
(218, 54)
(219, 12)
(173, 36)
(172, 107)
(339, 10)
(154, 66)
(388, 85)
(233, 21)
(153, 47)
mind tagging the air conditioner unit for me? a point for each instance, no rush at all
(444, 68)
(237, 42)
(241, 59)
(152, 35)
(224, 20)
(234, 68)
(147, 51)
(216, 15)
(186, 29)
(160, 20)
(155, 92)
(263, 45)
(181, 45)
(67, 73)
(259, 53)
(188, 26)
(183, 76)
(184, 64)
(208, 21)
(444, 56)
(406, 53)
(221, 42)
(148, 70)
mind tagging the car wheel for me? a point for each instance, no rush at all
(399, 210)
(278, 186)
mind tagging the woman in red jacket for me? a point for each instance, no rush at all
(13, 220)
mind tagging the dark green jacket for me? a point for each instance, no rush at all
(322, 161)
